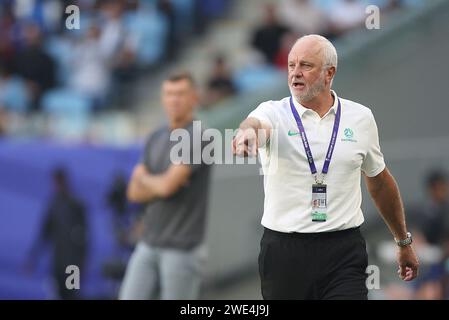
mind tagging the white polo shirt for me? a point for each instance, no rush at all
(287, 177)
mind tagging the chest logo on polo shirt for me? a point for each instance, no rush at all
(349, 135)
(292, 133)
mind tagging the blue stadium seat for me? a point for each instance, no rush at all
(149, 28)
(61, 50)
(14, 95)
(69, 111)
(60, 101)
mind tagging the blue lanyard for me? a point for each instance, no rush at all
(305, 142)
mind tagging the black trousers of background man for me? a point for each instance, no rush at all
(327, 265)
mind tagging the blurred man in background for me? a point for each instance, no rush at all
(432, 219)
(435, 214)
(267, 37)
(219, 84)
(65, 228)
(167, 262)
(35, 65)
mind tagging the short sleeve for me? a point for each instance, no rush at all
(264, 113)
(196, 154)
(374, 163)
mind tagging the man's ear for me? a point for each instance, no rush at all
(331, 72)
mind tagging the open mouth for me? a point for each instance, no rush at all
(298, 84)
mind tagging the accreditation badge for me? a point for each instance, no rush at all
(319, 202)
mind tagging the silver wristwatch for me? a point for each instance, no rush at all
(404, 242)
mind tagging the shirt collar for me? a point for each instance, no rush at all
(301, 109)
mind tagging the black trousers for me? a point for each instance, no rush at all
(327, 265)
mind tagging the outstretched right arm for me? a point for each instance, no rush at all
(252, 134)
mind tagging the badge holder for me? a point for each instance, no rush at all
(319, 202)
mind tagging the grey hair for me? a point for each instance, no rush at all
(329, 53)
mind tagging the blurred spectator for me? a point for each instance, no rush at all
(113, 36)
(7, 24)
(346, 15)
(435, 213)
(90, 73)
(432, 219)
(281, 60)
(52, 14)
(445, 267)
(267, 37)
(303, 17)
(65, 228)
(429, 285)
(219, 84)
(117, 201)
(125, 230)
(113, 29)
(14, 95)
(35, 65)
(166, 8)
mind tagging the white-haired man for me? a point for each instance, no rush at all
(312, 247)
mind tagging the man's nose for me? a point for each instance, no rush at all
(296, 72)
(296, 75)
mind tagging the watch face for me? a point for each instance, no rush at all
(406, 241)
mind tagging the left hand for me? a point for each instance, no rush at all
(139, 173)
(408, 263)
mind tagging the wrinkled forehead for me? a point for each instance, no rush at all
(307, 50)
